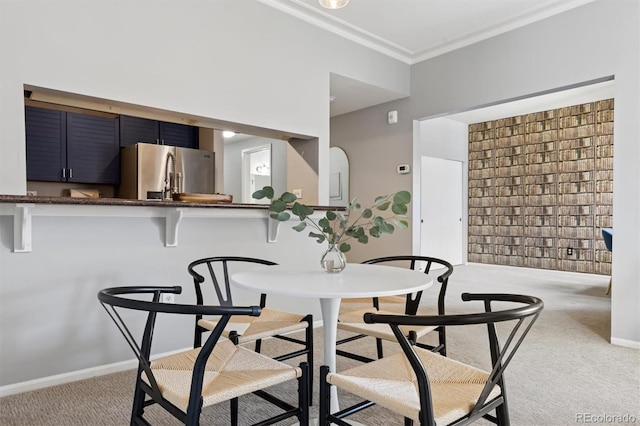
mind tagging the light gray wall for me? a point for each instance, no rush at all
(51, 321)
(185, 56)
(375, 148)
(594, 41)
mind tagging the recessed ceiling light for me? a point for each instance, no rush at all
(333, 4)
(228, 134)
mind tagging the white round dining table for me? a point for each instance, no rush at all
(356, 280)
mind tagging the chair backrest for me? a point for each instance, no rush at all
(607, 235)
(116, 297)
(413, 300)
(502, 350)
(217, 269)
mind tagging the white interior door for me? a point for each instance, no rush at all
(256, 172)
(441, 193)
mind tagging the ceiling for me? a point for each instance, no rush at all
(414, 30)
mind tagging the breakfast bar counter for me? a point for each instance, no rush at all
(24, 207)
(56, 253)
(88, 201)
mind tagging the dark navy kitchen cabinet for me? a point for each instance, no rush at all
(134, 130)
(46, 132)
(72, 147)
(93, 149)
(179, 135)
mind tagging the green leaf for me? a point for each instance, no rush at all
(259, 194)
(282, 216)
(344, 247)
(331, 215)
(266, 192)
(375, 232)
(402, 197)
(277, 206)
(363, 239)
(288, 197)
(379, 199)
(319, 237)
(326, 226)
(301, 210)
(386, 227)
(378, 221)
(400, 223)
(300, 227)
(384, 205)
(399, 209)
(367, 213)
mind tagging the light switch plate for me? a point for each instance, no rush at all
(297, 192)
(403, 169)
(392, 117)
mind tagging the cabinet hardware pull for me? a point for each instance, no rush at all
(70, 173)
(64, 173)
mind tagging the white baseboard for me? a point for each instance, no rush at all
(625, 343)
(59, 379)
(74, 376)
(87, 373)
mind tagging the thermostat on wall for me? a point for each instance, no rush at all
(403, 169)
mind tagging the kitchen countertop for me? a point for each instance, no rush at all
(38, 199)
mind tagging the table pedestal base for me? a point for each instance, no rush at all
(330, 309)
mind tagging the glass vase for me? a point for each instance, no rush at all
(333, 260)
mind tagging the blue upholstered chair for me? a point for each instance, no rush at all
(607, 234)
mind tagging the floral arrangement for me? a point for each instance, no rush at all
(338, 228)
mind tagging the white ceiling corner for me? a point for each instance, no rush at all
(414, 30)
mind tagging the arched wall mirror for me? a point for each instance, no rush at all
(338, 177)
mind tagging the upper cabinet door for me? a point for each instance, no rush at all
(46, 144)
(93, 149)
(178, 135)
(134, 130)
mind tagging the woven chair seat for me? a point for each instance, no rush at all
(271, 322)
(388, 303)
(390, 382)
(352, 321)
(231, 371)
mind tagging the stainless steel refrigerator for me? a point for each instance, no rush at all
(149, 171)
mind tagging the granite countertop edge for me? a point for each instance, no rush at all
(39, 199)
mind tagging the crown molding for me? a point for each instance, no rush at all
(497, 29)
(339, 27)
(356, 34)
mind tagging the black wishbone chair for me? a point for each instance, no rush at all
(185, 382)
(214, 272)
(431, 389)
(350, 319)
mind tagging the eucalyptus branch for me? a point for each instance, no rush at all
(337, 227)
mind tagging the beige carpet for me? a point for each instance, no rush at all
(565, 373)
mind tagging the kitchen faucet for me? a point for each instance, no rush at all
(169, 189)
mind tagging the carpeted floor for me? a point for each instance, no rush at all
(565, 373)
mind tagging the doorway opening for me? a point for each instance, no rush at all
(256, 172)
